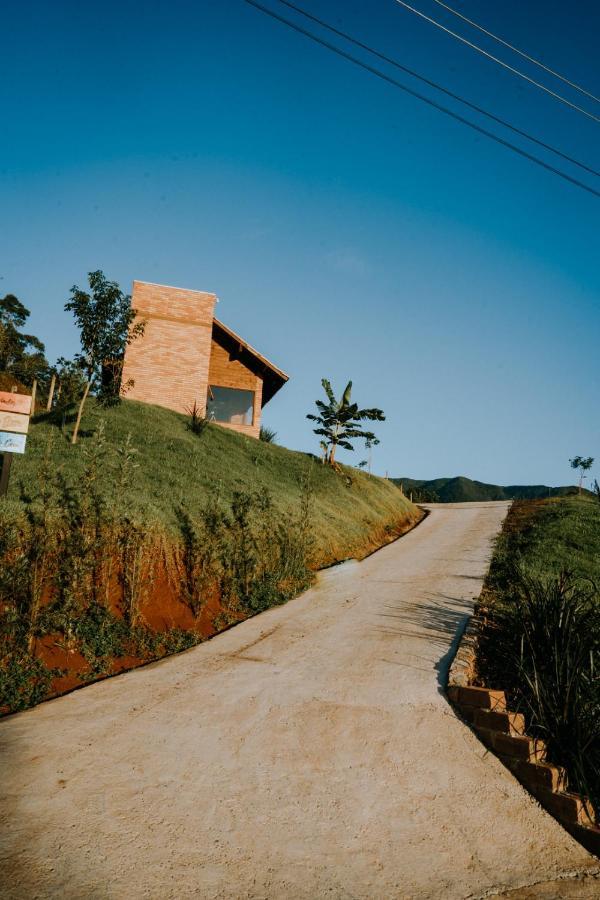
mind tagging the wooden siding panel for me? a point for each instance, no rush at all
(225, 371)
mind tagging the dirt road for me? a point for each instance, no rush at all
(307, 753)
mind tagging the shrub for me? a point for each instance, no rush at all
(542, 642)
(267, 435)
(197, 422)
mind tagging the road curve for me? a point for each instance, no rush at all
(309, 752)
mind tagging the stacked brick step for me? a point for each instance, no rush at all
(503, 732)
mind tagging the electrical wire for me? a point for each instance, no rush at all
(531, 59)
(440, 88)
(500, 62)
(427, 100)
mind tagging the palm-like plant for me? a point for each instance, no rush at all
(339, 420)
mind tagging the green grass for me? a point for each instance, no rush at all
(552, 536)
(540, 634)
(351, 511)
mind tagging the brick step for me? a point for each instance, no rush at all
(537, 775)
(518, 747)
(494, 720)
(503, 732)
(588, 836)
(469, 697)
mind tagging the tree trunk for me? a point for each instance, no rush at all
(88, 384)
(33, 393)
(51, 393)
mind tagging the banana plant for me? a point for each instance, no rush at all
(339, 422)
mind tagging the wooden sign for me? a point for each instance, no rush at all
(12, 443)
(14, 422)
(15, 403)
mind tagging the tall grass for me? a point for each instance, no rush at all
(79, 561)
(541, 636)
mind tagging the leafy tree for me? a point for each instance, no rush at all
(106, 323)
(583, 463)
(21, 355)
(339, 420)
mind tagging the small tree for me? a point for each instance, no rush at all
(338, 422)
(584, 464)
(106, 324)
(21, 355)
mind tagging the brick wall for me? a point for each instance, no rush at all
(170, 363)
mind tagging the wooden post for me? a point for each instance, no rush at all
(5, 475)
(51, 392)
(33, 393)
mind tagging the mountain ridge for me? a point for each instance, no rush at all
(460, 489)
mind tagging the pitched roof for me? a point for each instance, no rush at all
(273, 377)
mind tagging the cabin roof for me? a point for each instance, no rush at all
(273, 377)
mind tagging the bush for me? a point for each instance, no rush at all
(267, 435)
(542, 642)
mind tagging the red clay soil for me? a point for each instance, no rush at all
(163, 610)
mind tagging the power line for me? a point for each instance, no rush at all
(427, 100)
(439, 87)
(526, 56)
(500, 62)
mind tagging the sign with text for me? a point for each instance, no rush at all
(14, 422)
(15, 403)
(12, 443)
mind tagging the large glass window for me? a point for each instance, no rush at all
(230, 405)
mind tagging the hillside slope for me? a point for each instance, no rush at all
(146, 538)
(461, 490)
(176, 468)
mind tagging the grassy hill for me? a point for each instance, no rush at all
(175, 468)
(461, 490)
(146, 538)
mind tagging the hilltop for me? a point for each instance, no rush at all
(462, 490)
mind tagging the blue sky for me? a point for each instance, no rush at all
(348, 230)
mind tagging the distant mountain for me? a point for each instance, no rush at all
(460, 490)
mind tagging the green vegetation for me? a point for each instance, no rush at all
(22, 357)
(267, 435)
(463, 490)
(176, 467)
(582, 464)
(338, 422)
(106, 325)
(541, 629)
(148, 536)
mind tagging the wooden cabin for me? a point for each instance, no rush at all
(187, 357)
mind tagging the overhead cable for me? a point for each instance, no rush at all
(500, 62)
(385, 77)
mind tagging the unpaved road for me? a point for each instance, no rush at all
(306, 753)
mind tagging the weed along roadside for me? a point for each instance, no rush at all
(146, 538)
(525, 676)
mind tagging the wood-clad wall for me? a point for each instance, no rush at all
(227, 371)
